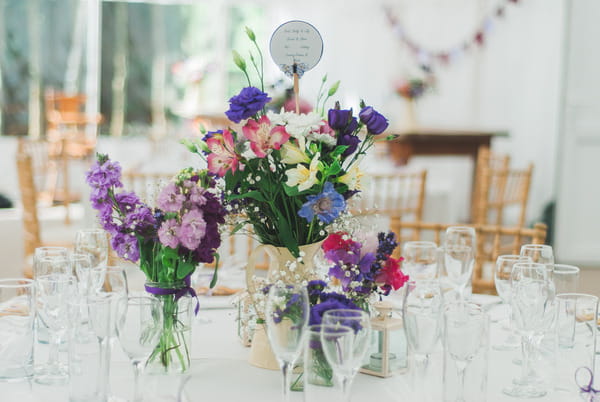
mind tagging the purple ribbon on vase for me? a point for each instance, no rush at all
(178, 292)
(584, 378)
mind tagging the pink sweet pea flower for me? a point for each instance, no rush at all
(262, 137)
(222, 156)
(391, 274)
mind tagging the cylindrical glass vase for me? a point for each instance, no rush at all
(172, 355)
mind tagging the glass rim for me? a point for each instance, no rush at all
(313, 328)
(536, 246)
(15, 283)
(357, 313)
(460, 227)
(530, 264)
(108, 268)
(572, 295)
(566, 268)
(513, 257)
(50, 248)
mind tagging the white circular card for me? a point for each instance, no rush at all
(296, 46)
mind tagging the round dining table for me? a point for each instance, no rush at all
(220, 371)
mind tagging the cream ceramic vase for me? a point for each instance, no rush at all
(261, 354)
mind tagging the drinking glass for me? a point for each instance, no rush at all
(53, 294)
(17, 315)
(93, 242)
(576, 327)
(566, 278)
(466, 328)
(460, 245)
(81, 265)
(422, 317)
(420, 259)
(44, 261)
(541, 254)
(532, 302)
(139, 325)
(360, 324)
(502, 272)
(286, 317)
(337, 343)
(88, 348)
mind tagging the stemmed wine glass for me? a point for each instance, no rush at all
(349, 363)
(532, 301)
(420, 259)
(459, 257)
(53, 292)
(541, 254)
(81, 265)
(139, 324)
(422, 317)
(502, 272)
(43, 258)
(286, 316)
(465, 329)
(93, 242)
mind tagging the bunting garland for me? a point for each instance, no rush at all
(426, 58)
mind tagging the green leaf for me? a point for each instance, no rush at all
(338, 151)
(286, 235)
(213, 281)
(290, 191)
(184, 268)
(333, 169)
(251, 194)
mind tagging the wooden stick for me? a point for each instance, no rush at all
(296, 92)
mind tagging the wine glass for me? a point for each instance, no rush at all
(286, 316)
(42, 260)
(337, 343)
(566, 278)
(502, 272)
(81, 265)
(360, 324)
(465, 329)
(139, 324)
(93, 242)
(539, 253)
(420, 259)
(422, 317)
(459, 257)
(532, 301)
(53, 292)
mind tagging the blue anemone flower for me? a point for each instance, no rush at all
(327, 206)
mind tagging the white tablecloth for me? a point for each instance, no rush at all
(220, 372)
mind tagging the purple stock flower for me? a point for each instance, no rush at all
(170, 198)
(126, 246)
(127, 201)
(246, 104)
(376, 123)
(326, 206)
(167, 234)
(141, 220)
(192, 229)
(104, 173)
(196, 194)
(351, 141)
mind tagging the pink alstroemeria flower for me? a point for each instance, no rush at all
(262, 137)
(222, 156)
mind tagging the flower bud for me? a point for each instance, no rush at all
(333, 89)
(250, 34)
(239, 61)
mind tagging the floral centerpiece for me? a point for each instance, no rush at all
(168, 241)
(364, 268)
(287, 175)
(413, 88)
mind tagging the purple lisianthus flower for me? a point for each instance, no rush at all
(192, 229)
(167, 234)
(170, 198)
(126, 246)
(351, 141)
(327, 206)
(339, 119)
(246, 104)
(329, 301)
(376, 123)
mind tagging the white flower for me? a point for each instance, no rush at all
(352, 178)
(302, 177)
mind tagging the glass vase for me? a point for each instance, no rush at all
(172, 355)
(316, 375)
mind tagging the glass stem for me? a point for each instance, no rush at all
(137, 369)
(285, 368)
(54, 341)
(419, 380)
(527, 349)
(103, 368)
(461, 367)
(345, 380)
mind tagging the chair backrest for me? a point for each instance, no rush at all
(31, 225)
(501, 189)
(486, 159)
(492, 241)
(397, 195)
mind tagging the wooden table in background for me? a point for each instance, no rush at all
(440, 141)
